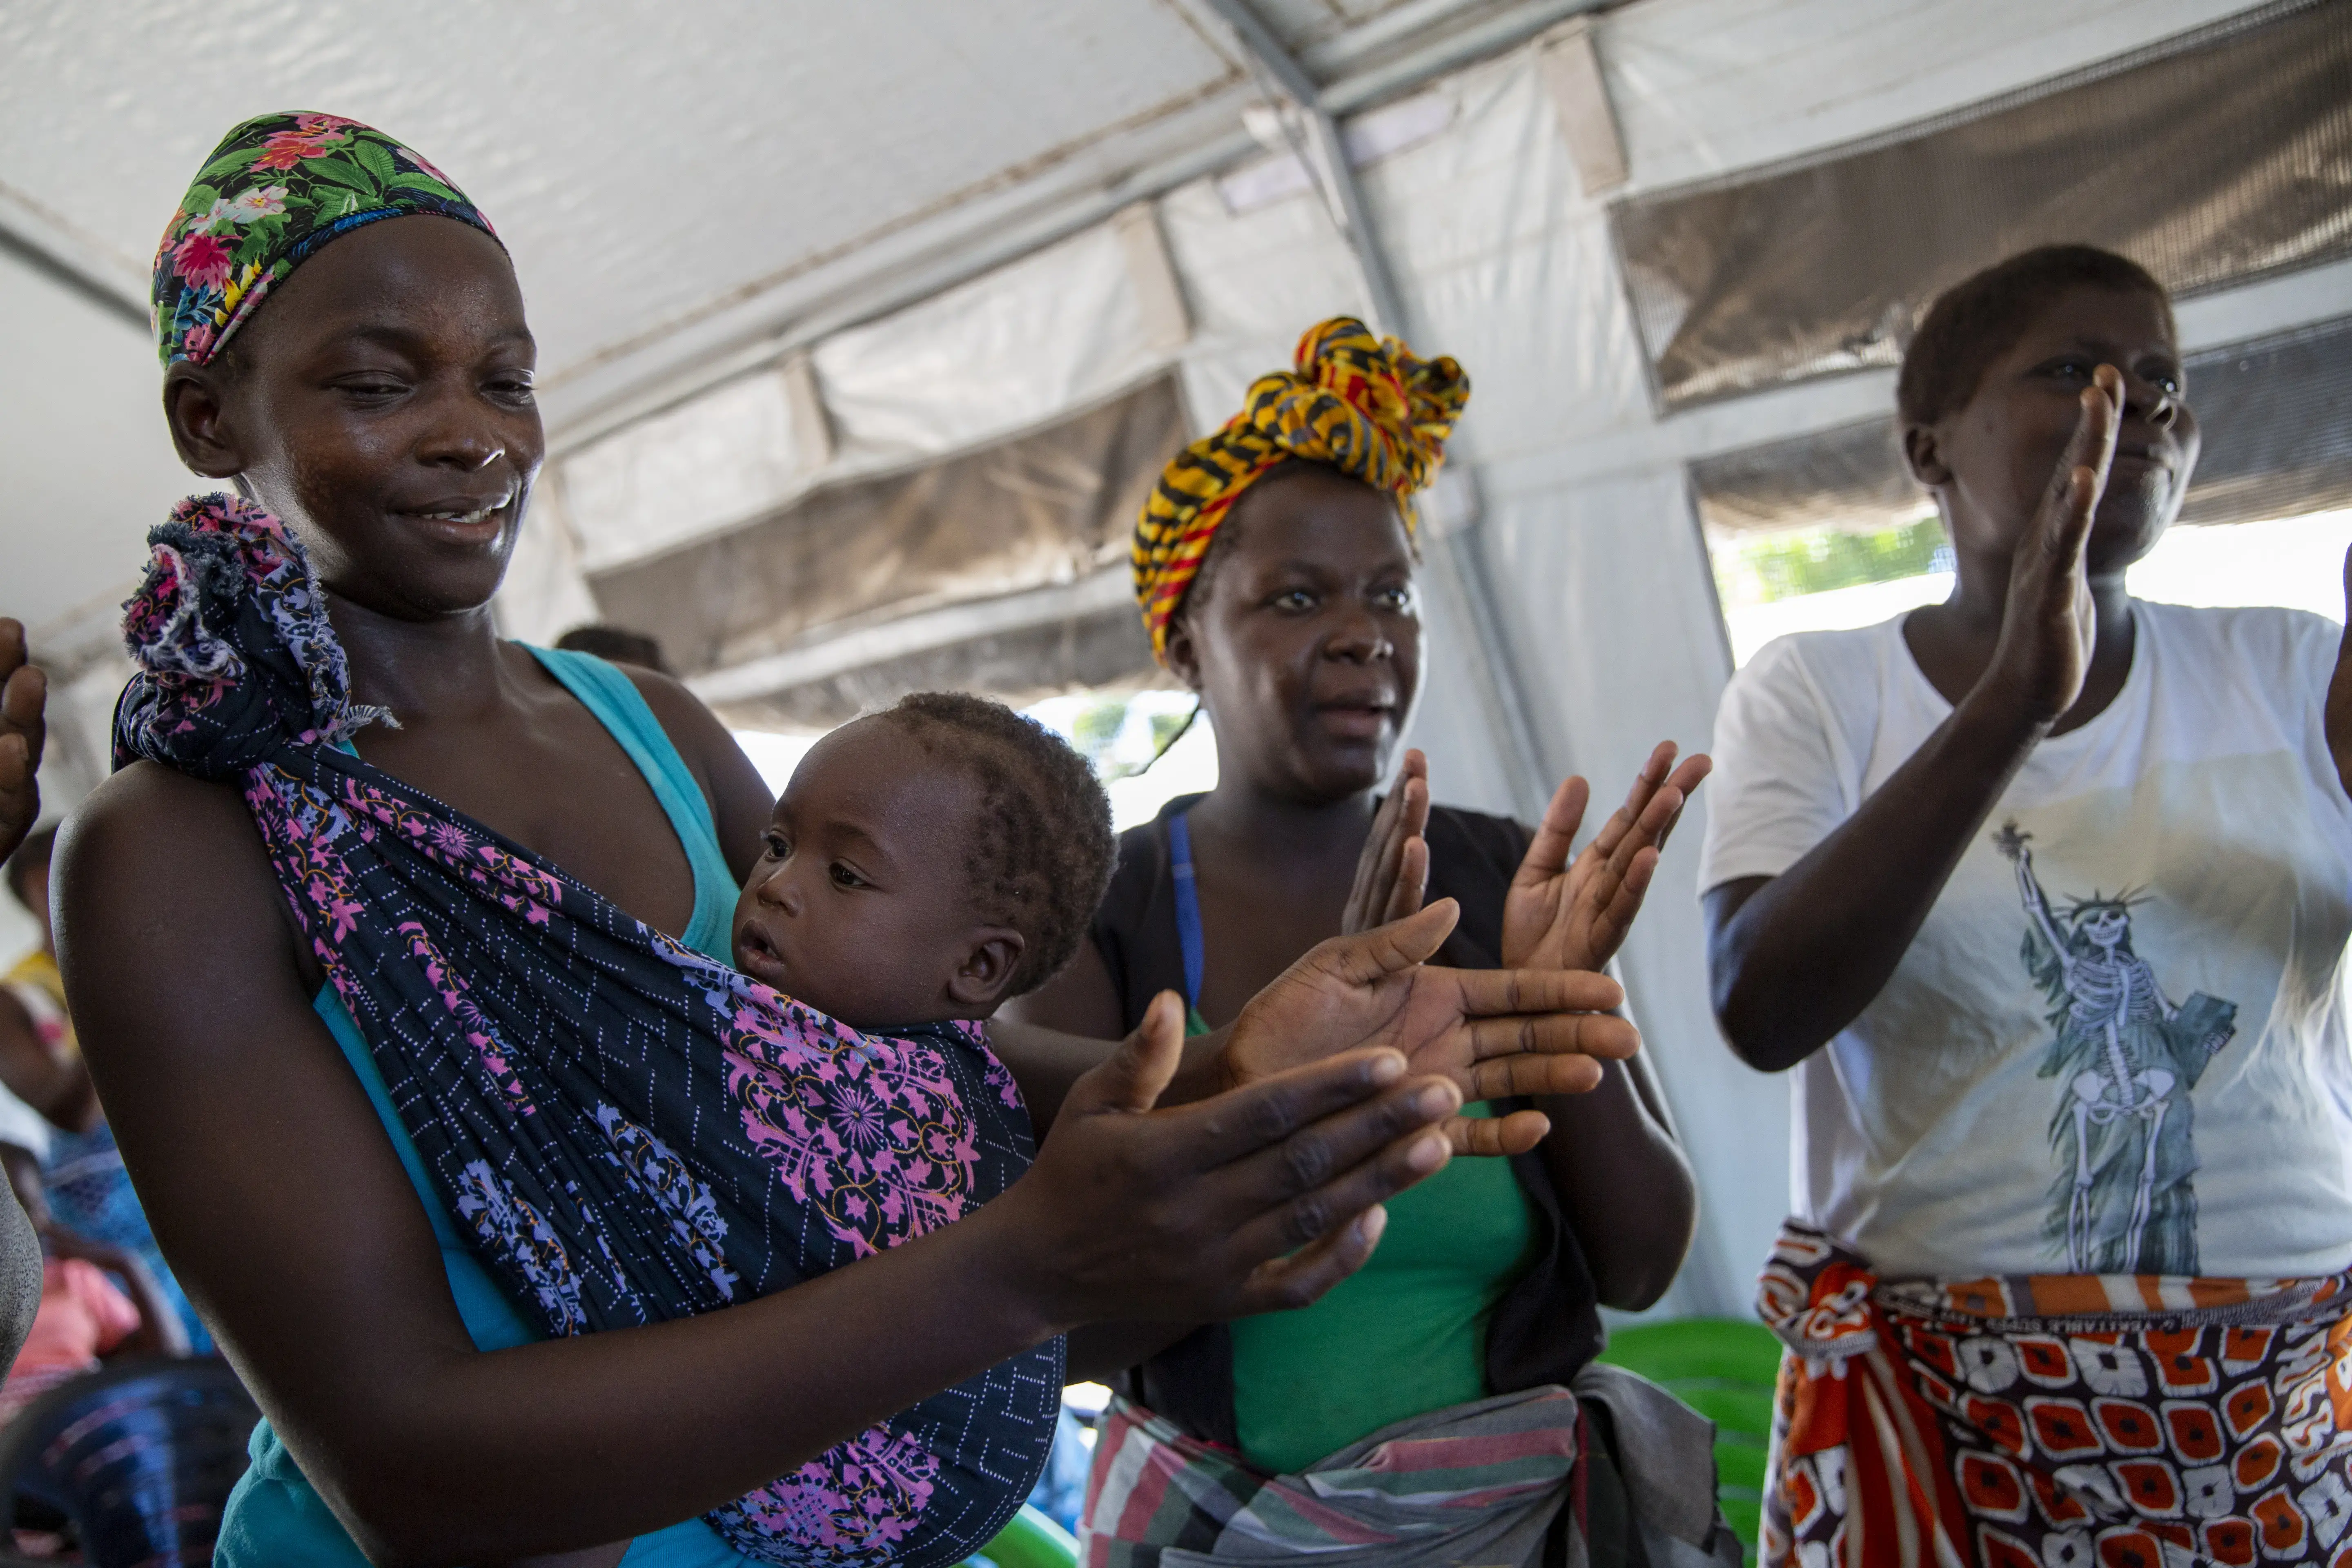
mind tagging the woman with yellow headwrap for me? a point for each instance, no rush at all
(1421, 1412)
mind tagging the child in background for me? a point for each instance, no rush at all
(85, 1318)
(926, 864)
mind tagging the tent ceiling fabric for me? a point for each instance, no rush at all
(657, 170)
(642, 160)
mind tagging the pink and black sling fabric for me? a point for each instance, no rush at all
(627, 1131)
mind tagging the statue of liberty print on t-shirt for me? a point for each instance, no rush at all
(2127, 1056)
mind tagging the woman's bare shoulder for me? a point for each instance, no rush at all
(156, 863)
(165, 817)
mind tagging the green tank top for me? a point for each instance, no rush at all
(1404, 1335)
(275, 1517)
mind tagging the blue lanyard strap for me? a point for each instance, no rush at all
(1188, 906)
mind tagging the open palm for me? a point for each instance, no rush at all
(1564, 914)
(1495, 1033)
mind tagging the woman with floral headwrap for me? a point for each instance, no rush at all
(1276, 566)
(398, 953)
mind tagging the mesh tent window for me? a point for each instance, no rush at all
(2214, 159)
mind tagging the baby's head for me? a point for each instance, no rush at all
(925, 863)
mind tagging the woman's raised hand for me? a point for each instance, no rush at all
(2049, 627)
(1493, 1032)
(23, 692)
(2339, 690)
(1258, 1199)
(1392, 873)
(1564, 915)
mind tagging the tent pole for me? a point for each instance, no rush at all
(99, 288)
(1325, 158)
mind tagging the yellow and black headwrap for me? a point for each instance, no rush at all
(1362, 403)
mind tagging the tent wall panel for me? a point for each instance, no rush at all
(1606, 588)
(1254, 281)
(1049, 507)
(1704, 87)
(1107, 650)
(89, 465)
(1507, 267)
(730, 453)
(2226, 157)
(1056, 331)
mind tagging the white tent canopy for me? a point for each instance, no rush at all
(773, 250)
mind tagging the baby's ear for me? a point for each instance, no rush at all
(980, 981)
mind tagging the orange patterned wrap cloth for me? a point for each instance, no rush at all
(2040, 1421)
(1362, 404)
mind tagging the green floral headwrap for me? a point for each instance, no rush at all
(276, 190)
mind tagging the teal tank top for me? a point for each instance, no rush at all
(275, 1518)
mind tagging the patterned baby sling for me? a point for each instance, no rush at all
(626, 1131)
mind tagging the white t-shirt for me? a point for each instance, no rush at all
(2118, 1044)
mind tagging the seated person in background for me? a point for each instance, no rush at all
(39, 1062)
(85, 1318)
(925, 865)
(617, 644)
(41, 1065)
(1277, 566)
(2044, 892)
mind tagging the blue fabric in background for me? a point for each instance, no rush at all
(90, 1195)
(1061, 1491)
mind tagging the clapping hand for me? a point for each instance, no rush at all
(1564, 915)
(2049, 626)
(23, 692)
(2339, 690)
(1392, 873)
(1494, 1032)
(1252, 1200)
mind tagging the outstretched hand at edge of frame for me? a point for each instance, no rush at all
(2340, 692)
(24, 692)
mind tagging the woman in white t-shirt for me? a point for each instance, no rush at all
(2044, 892)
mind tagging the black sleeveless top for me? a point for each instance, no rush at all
(1547, 1325)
